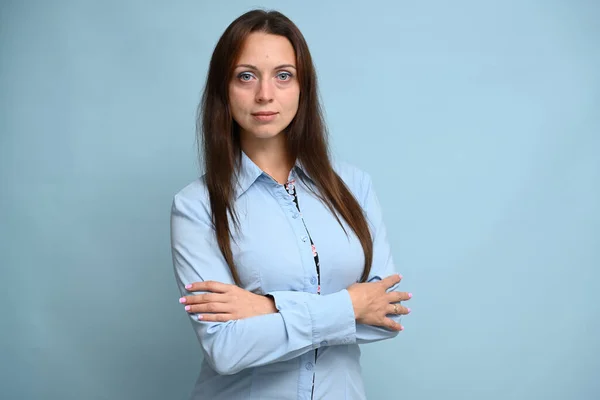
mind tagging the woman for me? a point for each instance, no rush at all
(281, 255)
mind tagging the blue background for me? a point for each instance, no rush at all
(478, 120)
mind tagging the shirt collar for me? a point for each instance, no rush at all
(248, 172)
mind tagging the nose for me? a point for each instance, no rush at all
(264, 92)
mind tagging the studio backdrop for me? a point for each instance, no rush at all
(479, 122)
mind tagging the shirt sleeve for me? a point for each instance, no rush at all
(382, 267)
(383, 262)
(232, 346)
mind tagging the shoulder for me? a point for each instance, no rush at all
(193, 199)
(357, 180)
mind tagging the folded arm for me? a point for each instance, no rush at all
(232, 346)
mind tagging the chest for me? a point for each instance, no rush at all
(273, 249)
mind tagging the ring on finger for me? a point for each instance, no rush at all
(395, 308)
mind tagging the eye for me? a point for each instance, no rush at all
(284, 76)
(245, 77)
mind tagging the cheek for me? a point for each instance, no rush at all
(292, 100)
(237, 102)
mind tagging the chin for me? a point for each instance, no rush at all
(265, 133)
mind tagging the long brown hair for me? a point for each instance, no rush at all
(306, 134)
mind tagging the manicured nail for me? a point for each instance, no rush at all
(182, 300)
(200, 317)
(187, 308)
(400, 276)
(410, 295)
(188, 286)
(401, 328)
(407, 309)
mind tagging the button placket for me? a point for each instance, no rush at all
(290, 209)
(308, 253)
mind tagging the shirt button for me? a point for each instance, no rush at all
(308, 366)
(313, 280)
(304, 238)
(324, 343)
(296, 215)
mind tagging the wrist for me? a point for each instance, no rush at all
(355, 304)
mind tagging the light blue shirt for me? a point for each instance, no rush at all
(273, 356)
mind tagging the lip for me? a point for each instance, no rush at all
(264, 116)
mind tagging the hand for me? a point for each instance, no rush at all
(225, 302)
(372, 303)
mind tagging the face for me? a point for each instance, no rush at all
(264, 89)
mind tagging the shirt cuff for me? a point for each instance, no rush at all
(334, 321)
(332, 316)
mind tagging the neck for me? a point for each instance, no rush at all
(270, 155)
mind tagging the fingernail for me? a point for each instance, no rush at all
(401, 328)
(399, 276)
(182, 300)
(410, 295)
(199, 317)
(408, 310)
(187, 308)
(188, 286)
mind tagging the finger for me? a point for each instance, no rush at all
(213, 308)
(215, 317)
(391, 280)
(204, 298)
(393, 325)
(395, 297)
(398, 310)
(208, 286)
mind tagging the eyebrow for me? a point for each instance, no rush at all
(249, 66)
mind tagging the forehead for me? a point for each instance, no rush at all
(264, 50)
